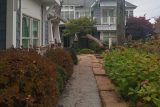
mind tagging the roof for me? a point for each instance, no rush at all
(86, 3)
(128, 4)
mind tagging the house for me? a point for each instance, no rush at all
(109, 15)
(25, 23)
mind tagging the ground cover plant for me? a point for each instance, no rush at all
(27, 80)
(149, 46)
(86, 51)
(136, 75)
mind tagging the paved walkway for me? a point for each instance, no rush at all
(81, 90)
(108, 94)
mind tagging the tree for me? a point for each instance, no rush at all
(121, 21)
(55, 17)
(138, 27)
(157, 23)
(83, 27)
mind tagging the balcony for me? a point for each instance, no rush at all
(106, 27)
(109, 20)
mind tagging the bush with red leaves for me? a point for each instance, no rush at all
(26, 80)
(62, 58)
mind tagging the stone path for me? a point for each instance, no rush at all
(106, 89)
(81, 90)
(89, 86)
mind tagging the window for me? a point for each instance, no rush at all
(71, 7)
(72, 15)
(126, 13)
(63, 14)
(77, 14)
(108, 16)
(35, 32)
(30, 32)
(66, 7)
(131, 13)
(67, 14)
(106, 36)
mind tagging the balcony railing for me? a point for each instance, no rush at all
(109, 20)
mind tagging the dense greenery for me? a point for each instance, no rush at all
(136, 74)
(86, 51)
(61, 79)
(27, 80)
(151, 46)
(82, 25)
(94, 46)
(73, 54)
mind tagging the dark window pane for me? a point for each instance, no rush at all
(25, 27)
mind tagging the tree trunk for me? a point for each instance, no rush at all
(121, 21)
(56, 32)
(89, 36)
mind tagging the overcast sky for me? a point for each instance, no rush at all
(149, 7)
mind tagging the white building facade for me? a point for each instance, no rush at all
(25, 23)
(103, 11)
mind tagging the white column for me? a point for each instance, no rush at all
(11, 24)
(44, 22)
(50, 33)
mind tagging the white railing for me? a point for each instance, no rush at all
(109, 20)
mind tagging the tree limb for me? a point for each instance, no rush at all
(89, 36)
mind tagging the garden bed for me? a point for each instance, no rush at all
(136, 75)
(29, 79)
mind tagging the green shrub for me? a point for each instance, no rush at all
(86, 51)
(136, 75)
(73, 55)
(95, 47)
(62, 58)
(26, 79)
(61, 78)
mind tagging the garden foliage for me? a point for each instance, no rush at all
(136, 74)
(73, 55)
(62, 58)
(27, 80)
(138, 27)
(86, 51)
(151, 46)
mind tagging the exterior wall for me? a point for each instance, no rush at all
(32, 9)
(96, 14)
(3, 11)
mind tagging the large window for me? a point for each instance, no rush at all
(108, 35)
(30, 32)
(130, 13)
(68, 12)
(108, 16)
